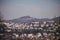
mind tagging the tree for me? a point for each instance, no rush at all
(2, 26)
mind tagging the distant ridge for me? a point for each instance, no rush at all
(28, 19)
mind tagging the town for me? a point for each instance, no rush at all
(32, 31)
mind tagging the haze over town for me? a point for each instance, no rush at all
(12, 9)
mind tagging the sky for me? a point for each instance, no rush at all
(12, 9)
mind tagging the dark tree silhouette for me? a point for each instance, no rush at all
(2, 26)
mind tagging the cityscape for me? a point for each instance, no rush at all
(34, 30)
(29, 20)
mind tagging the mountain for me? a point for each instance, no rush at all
(56, 19)
(28, 19)
(24, 19)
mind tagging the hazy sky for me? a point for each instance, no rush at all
(12, 9)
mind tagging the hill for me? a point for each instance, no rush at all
(28, 19)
